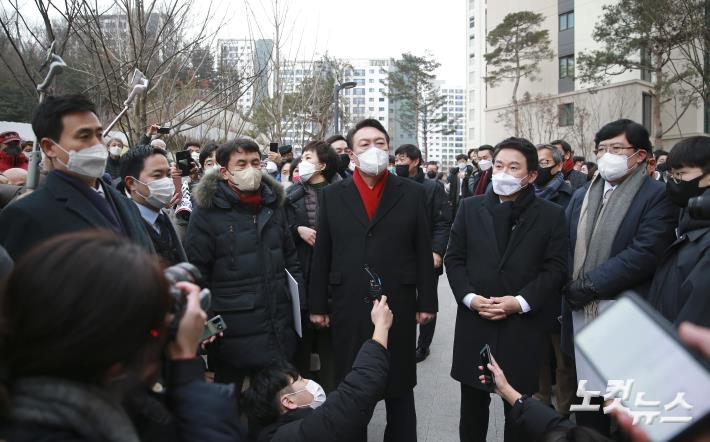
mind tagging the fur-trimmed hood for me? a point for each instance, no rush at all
(213, 191)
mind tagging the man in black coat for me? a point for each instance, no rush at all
(239, 239)
(285, 403)
(73, 197)
(146, 175)
(575, 178)
(550, 185)
(459, 177)
(377, 221)
(506, 261)
(680, 290)
(636, 223)
(408, 160)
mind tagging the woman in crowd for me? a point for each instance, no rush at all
(80, 355)
(318, 168)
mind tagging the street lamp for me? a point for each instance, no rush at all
(336, 99)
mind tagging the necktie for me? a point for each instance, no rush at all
(164, 224)
(607, 195)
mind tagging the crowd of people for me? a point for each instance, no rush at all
(324, 269)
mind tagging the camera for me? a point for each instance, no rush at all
(699, 207)
(186, 272)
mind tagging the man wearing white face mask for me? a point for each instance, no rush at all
(620, 225)
(506, 260)
(479, 182)
(374, 223)
(147, 177)
(238, 237)
(113, 163)
(293, 409)
(73, 197)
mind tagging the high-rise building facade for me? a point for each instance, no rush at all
(557, 104)
(448, 139)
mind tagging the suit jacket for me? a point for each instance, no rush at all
(439, 213)
(533, 265)
(170, 255)
(55, 208)
(396, 244)
(646, 231)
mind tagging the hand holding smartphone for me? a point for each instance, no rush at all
(487, 358)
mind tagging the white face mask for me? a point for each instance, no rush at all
(246, 180)
(373, 161)
(306, 170)
(89, 162)
(506, 185)
(314, 389)
(115, 150)
(613, 167)
(485, 164)
(196, 157)
(161, 192)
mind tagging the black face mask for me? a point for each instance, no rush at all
(544, 175)
(13, 149)
(402, 170)
(431, 174)
(343, 162)
(682, 191)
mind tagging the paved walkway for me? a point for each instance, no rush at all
(437, 395)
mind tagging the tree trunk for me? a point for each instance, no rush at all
(657, 91)
(425, 137)
(516, 108)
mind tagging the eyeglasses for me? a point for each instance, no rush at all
(614, 149)
(677, 177)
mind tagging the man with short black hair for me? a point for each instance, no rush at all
(576, 178)
(73, 197)
(340, 145)
(478, 183)
(472, 155)
(146, 176)
(238, 237)
(373, 231)
(619, 227)
(459, 177)
(408, 162)
(286, 153)
(578, 162)
(506, 261)
(681, 284)
(193, 146)
(432, 170)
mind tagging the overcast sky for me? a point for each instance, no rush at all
(363, 29)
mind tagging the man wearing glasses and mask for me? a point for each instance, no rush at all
(620, 224)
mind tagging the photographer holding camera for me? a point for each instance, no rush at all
(79, 355)
(681, 283)
(295, 409)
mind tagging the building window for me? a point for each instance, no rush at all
(646, 106)
(567, 66)
(566, 21)
(359, 91)
(382, 99)
(471, 22)
(566, 114)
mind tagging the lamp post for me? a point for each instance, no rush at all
(336, 99)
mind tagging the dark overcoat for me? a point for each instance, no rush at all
(396, 244)
(534, 266)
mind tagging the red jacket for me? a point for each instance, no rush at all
(10, 161)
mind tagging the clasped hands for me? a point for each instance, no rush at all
(495, 309)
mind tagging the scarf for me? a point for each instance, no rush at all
(370, 197)
(251, 200)
(81, 408)
(482, 183)
(549, 190)
(598, 224)
(507, 214)
(568, 167)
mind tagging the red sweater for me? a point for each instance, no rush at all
(370, 197)
(10, 161)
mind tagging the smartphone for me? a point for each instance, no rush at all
(486, 359)
(164, 130)
(184, 162)
(213, 326)
(629, 341)
(274, 147)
